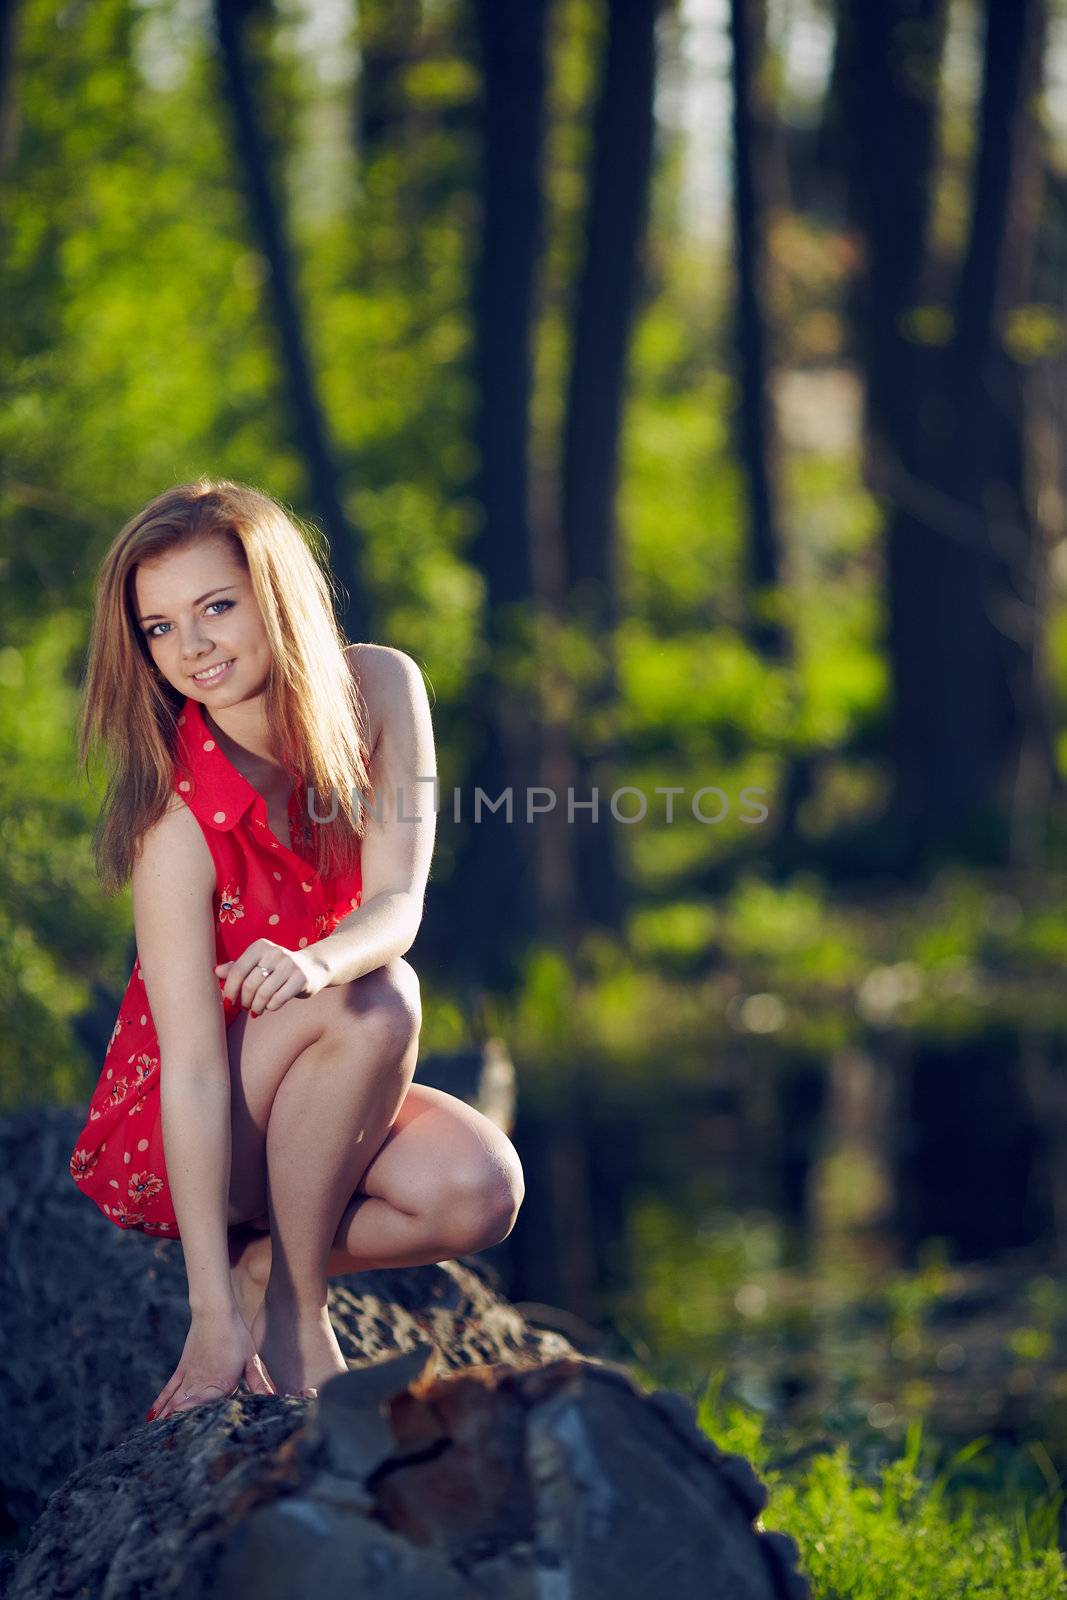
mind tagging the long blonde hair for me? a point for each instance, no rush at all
(316, 714)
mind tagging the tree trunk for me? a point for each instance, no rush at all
(968, 1149)
(989, 756)
(885, 85)
(754, 420)
(268, 223)
(757, 444)
(884, 114)
(946, 427)
(9, 12)
(494, 875)
(602, 323)
(463, 1453)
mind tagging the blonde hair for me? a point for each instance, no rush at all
(314, 708)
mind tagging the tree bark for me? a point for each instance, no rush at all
(9, 16)
(990, 749)
(965, 1125)
(884, 112)
(755, 424)
(756, 437)
(494, 872)
(946, 433)
(602, 323)
(463, 1453)
(887, 72)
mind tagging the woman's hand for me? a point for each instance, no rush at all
(218, 1353)
(293, 975)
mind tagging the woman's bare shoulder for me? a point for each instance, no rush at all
(382, 672)
(174, 845)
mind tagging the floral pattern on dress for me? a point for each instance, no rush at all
(144, 1186)
(124, 1218)
(230, 907)
(117, 1093)
(143, 1067)
(82, 1163)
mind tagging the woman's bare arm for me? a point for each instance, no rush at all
(173, 882)
(397, 850)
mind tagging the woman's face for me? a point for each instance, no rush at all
(197, 610)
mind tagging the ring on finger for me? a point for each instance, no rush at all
(266, 973)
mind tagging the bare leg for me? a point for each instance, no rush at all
(372, 1233)
(445, 1182)
(392, 1238)
(328, 1119)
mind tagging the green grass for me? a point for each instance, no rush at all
(906, 1529)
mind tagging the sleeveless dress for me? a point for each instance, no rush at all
(263, 889)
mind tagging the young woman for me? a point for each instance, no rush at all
(272, 803)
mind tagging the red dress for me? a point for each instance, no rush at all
(263, 889)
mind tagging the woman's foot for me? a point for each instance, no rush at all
(250, 1257)
(299, 1348)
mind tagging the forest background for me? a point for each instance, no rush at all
(682, 386)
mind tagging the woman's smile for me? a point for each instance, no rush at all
(214, 674)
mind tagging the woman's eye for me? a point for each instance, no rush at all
(152, 634)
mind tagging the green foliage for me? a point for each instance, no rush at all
(872, 1521)
(58, 935)
(900, 1535)
(791, 930)
(870, 1361)
(891, 1539)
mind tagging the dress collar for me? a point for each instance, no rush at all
(204, 775)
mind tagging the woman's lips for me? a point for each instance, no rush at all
(207, 683)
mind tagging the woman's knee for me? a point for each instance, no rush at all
(483, 1195)
(386, 1004)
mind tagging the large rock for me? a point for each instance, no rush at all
(464, 1454)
